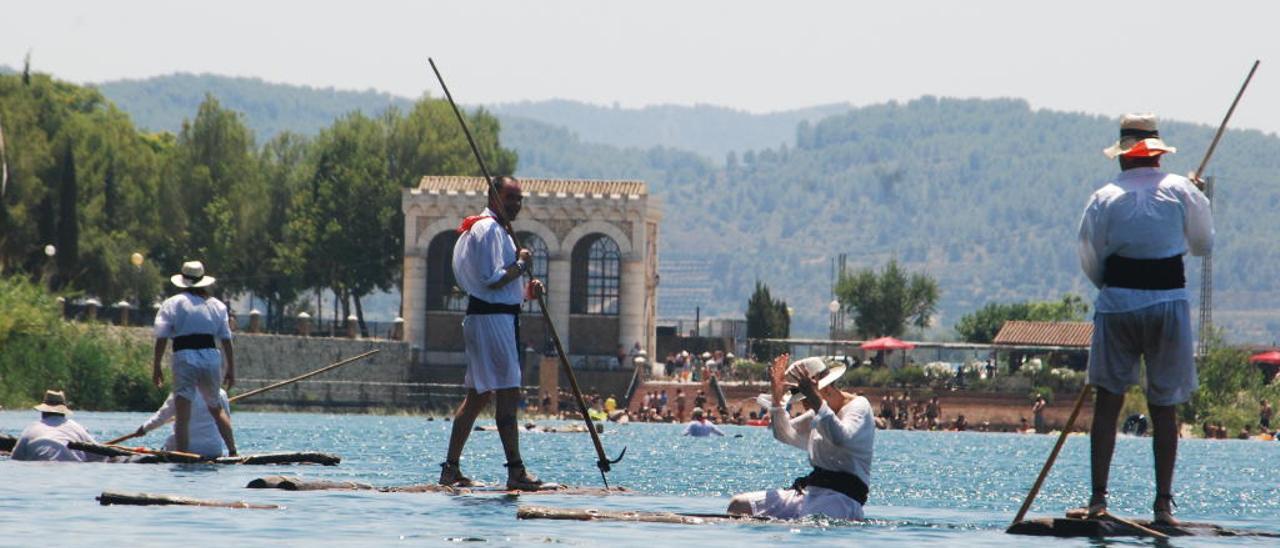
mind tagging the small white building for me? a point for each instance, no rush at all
(595, 246)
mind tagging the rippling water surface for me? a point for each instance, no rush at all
(927, 488)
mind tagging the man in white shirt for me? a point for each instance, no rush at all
(194, 320)
(1133, 234)
(699, 427)
(488, 266)
(202, 431)
(47, 439)
(837, 430)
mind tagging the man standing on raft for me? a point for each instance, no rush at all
(1133, 234)
(837, 430)
(488, 266)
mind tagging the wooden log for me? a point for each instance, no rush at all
(294, 483)
(300, 457)
(590, 514)
(1072, 527)
(108, 498)
(104, 450)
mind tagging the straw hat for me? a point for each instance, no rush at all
(192, 276)
(54, 402)
(1138, 138)
(824, 371)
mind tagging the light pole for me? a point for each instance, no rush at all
(49, 252)
(834, 308)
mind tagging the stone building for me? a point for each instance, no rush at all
(595, 246)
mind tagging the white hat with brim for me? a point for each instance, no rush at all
(826, 374)
(192, 276)
(54, 402)
(1139, 138)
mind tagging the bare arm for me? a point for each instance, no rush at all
(229, 379)
(157, 374)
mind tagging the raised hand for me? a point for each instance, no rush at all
(777, 376)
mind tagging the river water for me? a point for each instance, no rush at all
(960, 489)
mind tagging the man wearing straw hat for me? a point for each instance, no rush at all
(837, 430)
(1133, 234)
(47, 439)
(195, 321)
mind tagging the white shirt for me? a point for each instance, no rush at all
(190, 314)
(841, 442)
(203, 437)
(1143, 214)
(701, 429)
(47, 440)
(481, 257)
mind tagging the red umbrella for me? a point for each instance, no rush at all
(887, 343)
(1272, 357)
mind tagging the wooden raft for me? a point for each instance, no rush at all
(294, 483)
(153, 456)
(590, 514)
(108, 498)
(1074, 527)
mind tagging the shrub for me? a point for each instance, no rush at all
(99, 369)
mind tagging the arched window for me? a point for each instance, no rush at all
(538, 247)
(443, 292)
(597, 264)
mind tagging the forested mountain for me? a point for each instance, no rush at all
(982, 194)
(708, 130)
(161, 103)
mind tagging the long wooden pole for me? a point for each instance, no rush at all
(603, 460)
(1223, 126)
(285, 382)
(1053, 456)
(303, 376)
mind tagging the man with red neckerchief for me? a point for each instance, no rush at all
(487, 266)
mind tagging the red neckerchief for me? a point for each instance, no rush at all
(469, 221)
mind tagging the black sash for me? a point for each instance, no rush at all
(193, 342)
(1166, 273)
(480, 307)
(841, 482)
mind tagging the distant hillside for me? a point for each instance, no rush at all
(162, 103)
(983, 194)
(707, 130)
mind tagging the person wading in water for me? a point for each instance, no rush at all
(1133, 234)
(488, 266)
(194, 319)
(837, 430)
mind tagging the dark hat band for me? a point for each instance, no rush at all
(1139, 134)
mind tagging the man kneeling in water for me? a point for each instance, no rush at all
(837, 429)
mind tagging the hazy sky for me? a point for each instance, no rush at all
(1182, 60)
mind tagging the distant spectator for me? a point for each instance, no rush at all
(1037, 409)
(1264, 415)
(700, 400)
(960, 425)
(680, 405)
(932, 412)
(699, 427)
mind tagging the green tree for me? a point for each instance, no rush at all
(982, 325)
(218, 187)
(767, 318)
(885, 303)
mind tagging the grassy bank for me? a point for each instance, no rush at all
(100, 369)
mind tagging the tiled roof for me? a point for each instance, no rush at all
(1026, 333)
(568, 187)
